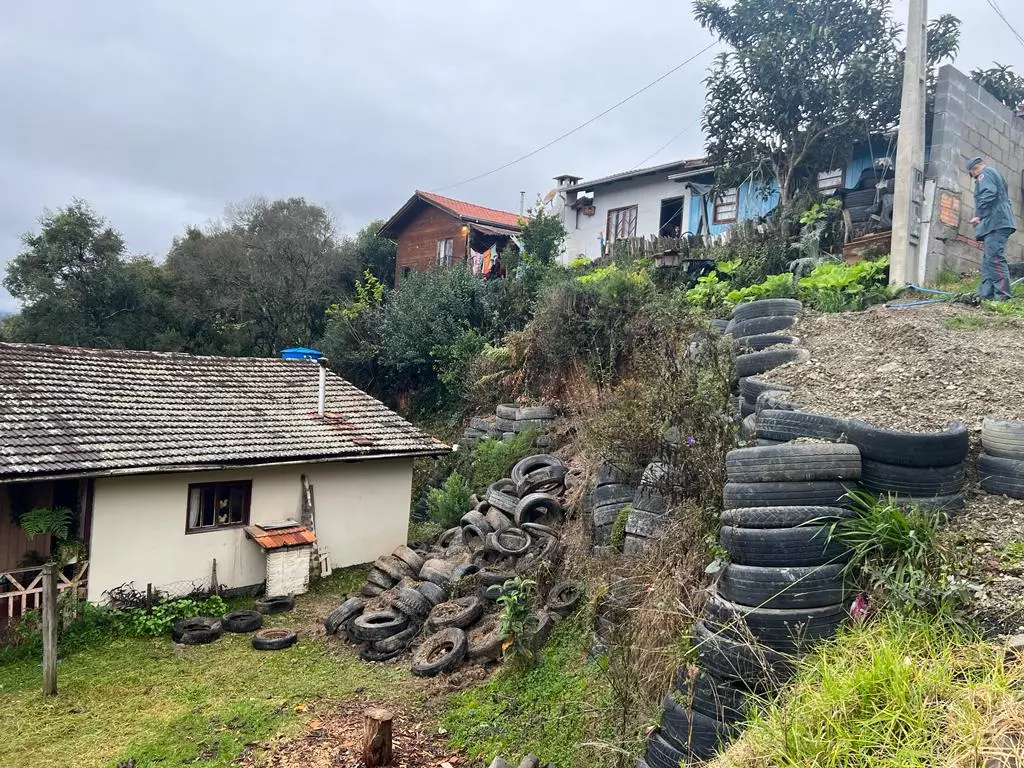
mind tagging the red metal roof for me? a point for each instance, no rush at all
(472, 211)
(277, 538)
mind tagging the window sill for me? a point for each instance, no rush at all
(214, 529)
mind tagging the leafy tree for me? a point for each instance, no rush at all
(801, 83)
(77, 287)
(1002, 82)
(260, 281)
(354, 334)
(373, 252)
(543, 235)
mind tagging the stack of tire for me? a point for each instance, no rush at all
(872, 195)
(1001, 462)
(649, 513)
(611, 494)
(781, 591)
(446, 592)
(761, 340)
(509, 421)
(926, 469)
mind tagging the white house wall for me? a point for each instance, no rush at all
(138, 530)
(646, 193)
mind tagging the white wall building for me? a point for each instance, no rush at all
(639, 203)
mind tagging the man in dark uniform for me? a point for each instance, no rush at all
(993, 224)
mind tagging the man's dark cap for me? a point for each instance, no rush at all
(973, 162)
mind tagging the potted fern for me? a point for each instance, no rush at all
(57, 524)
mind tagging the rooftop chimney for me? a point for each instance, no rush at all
(321, 400)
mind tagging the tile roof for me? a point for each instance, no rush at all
(278, 538)
(75, 411)
(678, 165)
(472, 211)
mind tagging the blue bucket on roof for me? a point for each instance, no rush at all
(301, 353)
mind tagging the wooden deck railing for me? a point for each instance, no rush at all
(22, 590)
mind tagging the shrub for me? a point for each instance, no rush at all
(353, 337)
(518, 620)
(832, 287)
(492, 460)
(618, 540)
(158, 621)
(446, 505)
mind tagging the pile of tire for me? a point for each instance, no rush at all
(782, 590)
(761, 339)
(1001, 462)
(649, 512)
(441, 598)
(611, 494)
(509, 420)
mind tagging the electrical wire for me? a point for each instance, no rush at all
(582, 125)
(999, 12)
(667, 144)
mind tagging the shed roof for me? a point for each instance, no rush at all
(459, 209)
(666, 168)
(71, 411)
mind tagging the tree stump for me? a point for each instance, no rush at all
(377, 738)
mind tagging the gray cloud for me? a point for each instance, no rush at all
(160, 114)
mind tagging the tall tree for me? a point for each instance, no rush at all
(802, 83)
(261, 280)
(1002, 82)
(373, 252)
(76, 286)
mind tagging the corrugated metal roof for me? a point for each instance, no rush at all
(678, 165)
(76, 411)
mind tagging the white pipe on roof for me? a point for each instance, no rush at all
(321, 400)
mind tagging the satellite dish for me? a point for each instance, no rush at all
(550, 196)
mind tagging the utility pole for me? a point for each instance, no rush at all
(908, 202)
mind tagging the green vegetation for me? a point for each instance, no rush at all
(618, 539)
(446, 505)
(897, 692)
(552, 709)
(1013, 553)
(123, 698)
(518, 621)
(902, 559)
(491, 460)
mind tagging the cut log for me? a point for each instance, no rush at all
(377, 738)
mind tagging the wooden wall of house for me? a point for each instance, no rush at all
(14, 544)
(417, 245)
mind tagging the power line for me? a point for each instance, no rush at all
(582, 125)
(667, 144)
(999, 12)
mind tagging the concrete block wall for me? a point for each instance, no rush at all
(970, 122)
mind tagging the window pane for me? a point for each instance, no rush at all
(194, 507)
(237, 514)
(208, 494)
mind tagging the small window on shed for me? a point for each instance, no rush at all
(218, 505)
(445, 250)
(727, 207)
(830, 181)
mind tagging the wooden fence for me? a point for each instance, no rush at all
(22, 590)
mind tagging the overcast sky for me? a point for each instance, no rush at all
(161, 113)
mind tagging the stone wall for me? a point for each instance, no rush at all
(969, 122)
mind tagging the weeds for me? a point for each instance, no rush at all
(900, 558)
(518, 620)
(446, 505)
(897, 692)
(1013, 553)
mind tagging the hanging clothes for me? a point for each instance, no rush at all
(477, 260)
(489, 255)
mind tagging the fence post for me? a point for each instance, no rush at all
(50, 627)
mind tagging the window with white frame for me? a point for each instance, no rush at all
(445, 249)
(622, 223)
(727, 207)
(830, 181)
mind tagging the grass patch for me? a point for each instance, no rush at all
(1013, 554)
(895, 693)
(143, 698)
(548, 710)
(962, 322)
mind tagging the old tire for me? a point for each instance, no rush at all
(344, 613)
(279, 604)
(607, 514)
(815, 493)
(760, 325)
(1001, 476)
(616, 493)
(412, 604)
(498, 520)
(780, 547)
(369, 652)
(484, 642)
(397, 642)
(752, 386)
(788, 630)
(691, 731)
(784, 588)
(879, 478)
(506, 411)
(1002, 438)
(757, 668)
(564, 598)
(512, 542)
(432, 592)
(535, 412)
(393, 567)
(498, 496)
(910, 449)
(799, 462)
(538, 507)
(746, 344)
(524, 467)
(783, 517)
(719, 700)
(242, 621)
(377, 625)
(753, 363)
(790, 425)
(274, 639)
(648, 499)
(550, 479)
(766, 308)
(194, 624)
(645, 524)
(441, 652)
(438, 572)
(661, 754)
(460, 613)
(378, 578)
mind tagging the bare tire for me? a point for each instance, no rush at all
(242, 621)
(538, 507)
(377, 625)
(440, 653)
(1003, 438)
(910, 449)
(780, 547)
(800, 462)
(274, 639)
(766, 308)
(341, 615)
(461, 612)
(784, 587)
